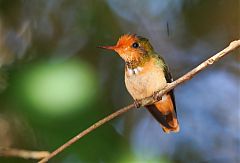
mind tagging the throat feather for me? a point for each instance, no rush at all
(135, 66)
(134, 71)
(139, 62)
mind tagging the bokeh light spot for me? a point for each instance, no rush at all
(59, 88)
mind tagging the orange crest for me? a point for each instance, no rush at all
(126, 49)
(126, 40)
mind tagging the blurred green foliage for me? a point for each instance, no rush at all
(57, 88)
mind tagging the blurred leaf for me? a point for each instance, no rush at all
(55, 89)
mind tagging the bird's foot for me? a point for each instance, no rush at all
(137, 103)
(156, 97)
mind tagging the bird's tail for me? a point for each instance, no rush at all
(164, 112)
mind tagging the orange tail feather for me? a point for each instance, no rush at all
(165, 113)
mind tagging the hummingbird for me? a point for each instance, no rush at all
(146, 73)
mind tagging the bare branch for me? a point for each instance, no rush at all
(11, 152)
(148, 100)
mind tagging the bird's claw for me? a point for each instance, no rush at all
(137, 103)
(156, 97)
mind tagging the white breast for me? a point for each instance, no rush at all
(134, 71)
(141, 85)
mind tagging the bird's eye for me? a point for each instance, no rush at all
(135, 45)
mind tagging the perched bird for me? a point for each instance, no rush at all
(146, 73)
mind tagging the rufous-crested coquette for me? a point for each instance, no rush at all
(145, 74)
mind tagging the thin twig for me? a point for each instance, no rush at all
(148, 100)
(12, 152)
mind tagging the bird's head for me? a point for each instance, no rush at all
(131, 47)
